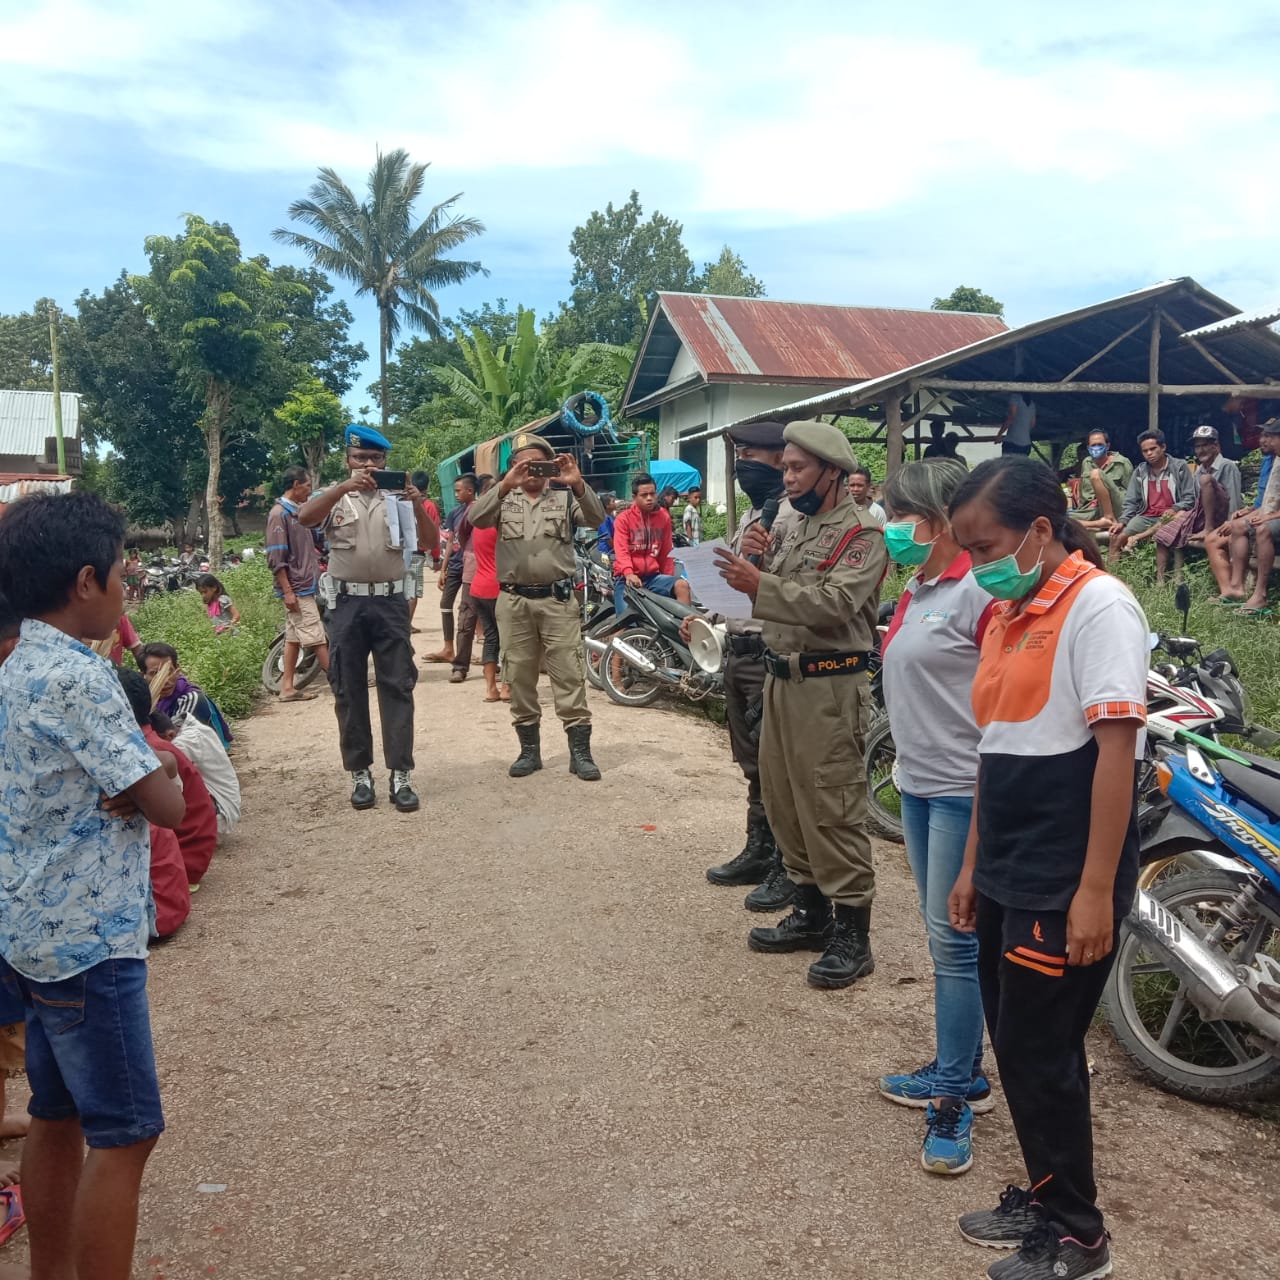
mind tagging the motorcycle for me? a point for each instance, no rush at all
(308, 665)
(593, 584)
(646, 654)
(1194, 995)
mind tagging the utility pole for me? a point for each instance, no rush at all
(57, 389)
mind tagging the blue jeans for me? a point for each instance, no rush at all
(936, 830)
(662, 584)
(89, 1054)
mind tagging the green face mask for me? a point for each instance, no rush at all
(900, 542)
(1003, 579)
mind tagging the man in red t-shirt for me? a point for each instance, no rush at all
(642, 547)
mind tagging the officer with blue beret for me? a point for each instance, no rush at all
(367, 529)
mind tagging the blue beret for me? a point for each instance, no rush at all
(358, 436)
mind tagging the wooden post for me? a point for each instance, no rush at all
(1153, 375)
(730, 493)
(57, 390)
(893, 430)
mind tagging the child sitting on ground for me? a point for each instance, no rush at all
(217, 604)
(80, 785)
(174, 695)
(204, 749)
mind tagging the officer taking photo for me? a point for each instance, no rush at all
(816, 593)
(538, 615)
(368, 535)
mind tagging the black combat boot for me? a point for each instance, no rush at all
(807, 928)
(362, 796)
(403, 796)
(752, 864)
(580, 761)
(848, 955)
(530, 758)
(776, 892)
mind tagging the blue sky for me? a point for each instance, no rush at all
(852, 152)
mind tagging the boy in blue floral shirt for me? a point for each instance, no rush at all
(78, 785)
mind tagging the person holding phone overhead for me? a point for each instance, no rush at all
(538, 614)
(369, 613)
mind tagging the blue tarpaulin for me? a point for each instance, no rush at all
(671, 471)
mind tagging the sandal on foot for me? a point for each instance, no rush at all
(14, 1215)
(1250, 611)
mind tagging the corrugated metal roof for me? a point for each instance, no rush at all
(1057, 344)
(760, 340)
(1246, 320)
(14, 487)
(26, 421)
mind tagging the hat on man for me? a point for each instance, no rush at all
(358, 436)
(759, 435)
(527, 440)
(1204, 432)
(1271, 427)
(823, 441)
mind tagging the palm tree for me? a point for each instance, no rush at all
(378, 248)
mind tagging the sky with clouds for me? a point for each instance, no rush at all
(851, 152)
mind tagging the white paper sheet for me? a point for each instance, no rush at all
(710, 590)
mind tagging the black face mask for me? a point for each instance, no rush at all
(808, 504)
(758, 480)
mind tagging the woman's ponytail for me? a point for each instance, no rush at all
(1075, 537)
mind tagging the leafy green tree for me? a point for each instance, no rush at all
(619, 262)
(25, 362)
(137, 404)
(377, 246)
(728, 277)
(308, 424)
(966, 298)
(212, 310)
(318, 333)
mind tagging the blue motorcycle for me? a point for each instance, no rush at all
(1194, 997)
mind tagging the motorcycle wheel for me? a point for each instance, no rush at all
(598, 629)
(306, 670)
(273, 665)
(629, 687)
(1159, 1028)
(884, 802)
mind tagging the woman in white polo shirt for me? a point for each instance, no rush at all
(930, 656)
(1060, 699)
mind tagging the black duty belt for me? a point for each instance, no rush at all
(561, 590)
(809, 666)
(748, 646)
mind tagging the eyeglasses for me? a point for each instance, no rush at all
(361, 457)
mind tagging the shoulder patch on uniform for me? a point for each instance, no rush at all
(856, 556)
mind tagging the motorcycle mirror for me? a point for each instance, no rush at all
(1182, 602)
(1153, 640)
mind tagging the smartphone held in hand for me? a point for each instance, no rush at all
(392, 481)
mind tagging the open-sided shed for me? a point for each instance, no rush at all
(1172, 355)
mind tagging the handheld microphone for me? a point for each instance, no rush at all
(768, 514)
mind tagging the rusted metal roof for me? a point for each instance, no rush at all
(759, 340)
(26, 421)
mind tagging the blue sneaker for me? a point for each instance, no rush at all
(948, 1139)
(919, 1088)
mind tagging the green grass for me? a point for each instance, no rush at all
(227, 667)
(1252, 642)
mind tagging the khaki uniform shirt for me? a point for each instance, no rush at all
(785, 518)
(808, 606)
(535, 536)
(360, 546)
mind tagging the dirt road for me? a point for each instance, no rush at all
(519, 1035)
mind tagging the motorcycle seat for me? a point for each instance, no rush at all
(668, 603)
(1259, 785)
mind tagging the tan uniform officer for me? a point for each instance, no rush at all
(538, 615)
(817, 596)
(370, 614)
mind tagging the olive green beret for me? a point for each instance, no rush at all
(527, 440)
(823, 441)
